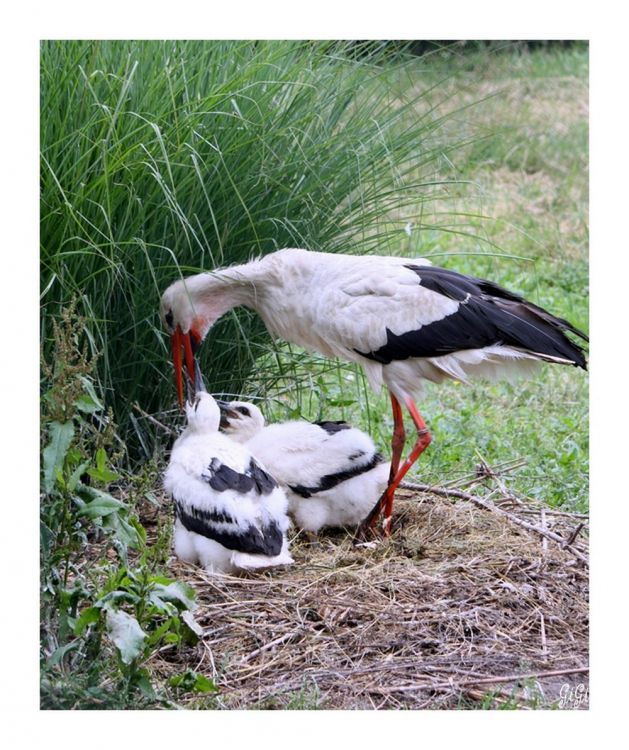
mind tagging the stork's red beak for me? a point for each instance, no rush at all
(189, 343)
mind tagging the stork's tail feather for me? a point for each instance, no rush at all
(544, 334)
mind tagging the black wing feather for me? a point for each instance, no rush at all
(332, 480)
(263, 482)
(333, 427)
(223, 529)
(487, 315)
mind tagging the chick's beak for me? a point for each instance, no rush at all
(227, 413)
(188, 343)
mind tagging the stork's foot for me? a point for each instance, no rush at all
(363, 534)
(367, 532)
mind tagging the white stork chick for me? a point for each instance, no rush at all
(230, 514)
(405, 321)
(331, 471)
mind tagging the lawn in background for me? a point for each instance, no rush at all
(514, 202)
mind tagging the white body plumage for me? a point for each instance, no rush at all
(230, 514)
(332, 472)
(405, 321)
(392, 315)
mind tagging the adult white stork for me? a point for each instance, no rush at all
(404, 321)
(230, 514)
(331, 471)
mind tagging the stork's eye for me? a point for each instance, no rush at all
(243, 410)
(169, 319)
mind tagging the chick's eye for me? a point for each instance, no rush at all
(243, 410)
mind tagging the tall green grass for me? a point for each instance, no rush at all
(164, 158)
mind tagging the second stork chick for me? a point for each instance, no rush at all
(230, 514)
(332, 472)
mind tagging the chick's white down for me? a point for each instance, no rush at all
(305, 458)
(230, 514)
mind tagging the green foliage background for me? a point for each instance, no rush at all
(164, 158)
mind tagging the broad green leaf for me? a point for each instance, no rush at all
(194, 626)
(102, 473)
(87, 617)
(203, 684)
(143, 682)
(89, 390)
(101, 459)
(126, 633)
(156, 635)
(177, 591)
(58, 655)
(191, 680)
(86, 404)
(54, 453)
(98, 503)
(126, 533)
(117, 596)
(162, 606)
(75, 477)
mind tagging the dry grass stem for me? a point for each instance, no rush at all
(455, 600)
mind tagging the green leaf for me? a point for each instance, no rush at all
(88, 617)
(203, 684)
(161, 606)
(102, 473)
(126, 633)
(194, 626)
(125, 532)
(156, 635)
(99, 503)
(59, 653)
(191, 680)
(76, 475)
(143, 683)
(117, 596)
(91, 393)
(46, 536)
(87, 405)
(54, 453)
(101, 459)
(179, 592)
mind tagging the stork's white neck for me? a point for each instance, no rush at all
(198, 301)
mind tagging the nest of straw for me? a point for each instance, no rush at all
(471, 601)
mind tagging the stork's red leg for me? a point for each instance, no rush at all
(397, 473)
(424, 439)
(399, 437)
(397, 445)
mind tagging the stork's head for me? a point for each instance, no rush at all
(187, 316)
(240, 419)
(189, 308)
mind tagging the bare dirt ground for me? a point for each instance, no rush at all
(463, 607)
